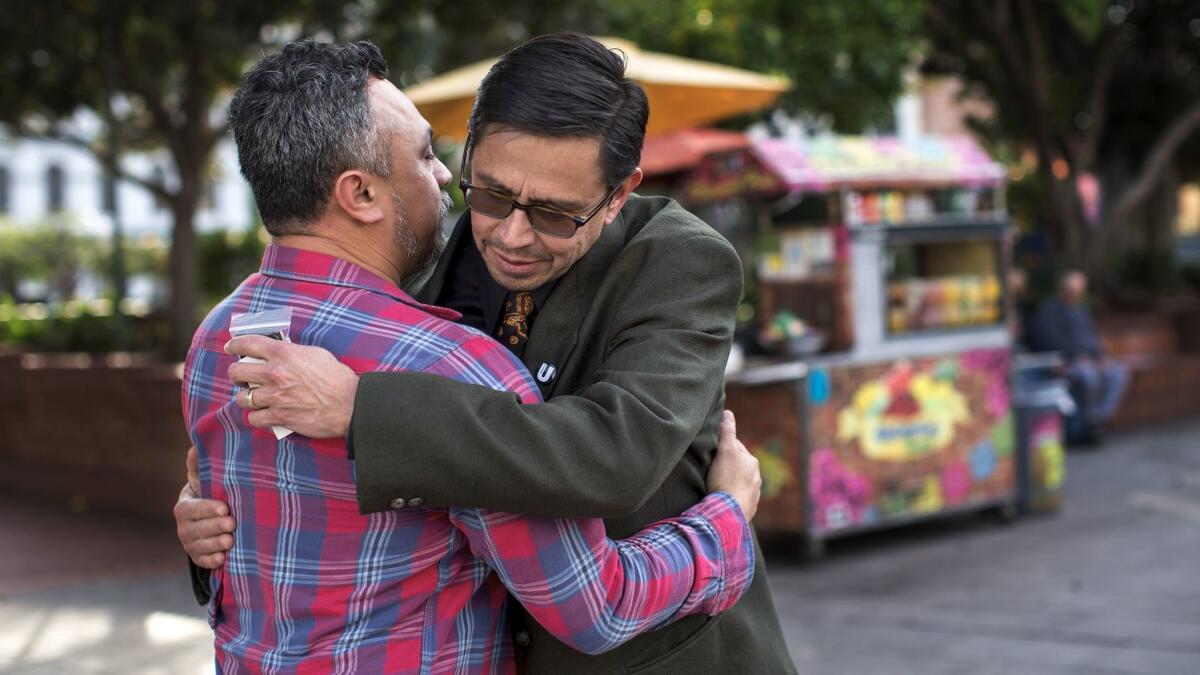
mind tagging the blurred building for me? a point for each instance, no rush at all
(40, 178)
(941, 108)
(48, 182)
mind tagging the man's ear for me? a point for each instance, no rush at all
(359, 195)
(623, 192)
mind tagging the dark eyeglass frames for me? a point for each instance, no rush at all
(494, 204)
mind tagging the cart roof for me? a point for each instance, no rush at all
(683, 150)
(832, 162)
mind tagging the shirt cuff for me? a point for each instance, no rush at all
(737, 552)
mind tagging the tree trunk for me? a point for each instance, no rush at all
(1160, 233)
(181, 314)
(1068, 228)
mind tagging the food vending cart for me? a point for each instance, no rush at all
(875, 276)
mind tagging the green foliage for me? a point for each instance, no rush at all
(1189, 274)
(41, 252)
(146, 256)
(846, 60)
(167, 58)
(1151, 271)
(1092, 86)
(428, 37)
(156, 75)
(74, 327)
(226, 259)
(50, 251)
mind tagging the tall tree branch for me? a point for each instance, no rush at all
(157, 188)
(215, 136)
(160, 116)
(1097, 108)
(950, 38)
(1032, 31)
(998, 28)
(1158, 160)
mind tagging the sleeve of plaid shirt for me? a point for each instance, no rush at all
(589, 591)
(594, 593)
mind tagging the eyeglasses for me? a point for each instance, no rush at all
(494, 204)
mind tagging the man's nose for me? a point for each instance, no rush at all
(441, 174)
(515, 231)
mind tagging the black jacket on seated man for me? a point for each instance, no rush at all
(1067, 328)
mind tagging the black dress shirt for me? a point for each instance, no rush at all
(471, 291)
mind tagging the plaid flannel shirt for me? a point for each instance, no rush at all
(311, 585)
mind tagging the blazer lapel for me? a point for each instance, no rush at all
(556, 330)
(553, 335)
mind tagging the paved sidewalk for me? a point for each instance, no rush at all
(92, 593)
(148, 626)
(1109, 586)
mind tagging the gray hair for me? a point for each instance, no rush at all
(302, 117)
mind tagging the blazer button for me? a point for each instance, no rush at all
(523, 638)
(415, 502)
(398, 503)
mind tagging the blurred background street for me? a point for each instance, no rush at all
(1105, 587)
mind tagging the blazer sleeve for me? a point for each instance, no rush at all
(601, 452)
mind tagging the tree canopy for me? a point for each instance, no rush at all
(1093, 88)
(155, 74)
(1103, 88)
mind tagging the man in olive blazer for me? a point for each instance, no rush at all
(637, 332)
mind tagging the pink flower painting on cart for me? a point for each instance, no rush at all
(994, 365)
(840, 497)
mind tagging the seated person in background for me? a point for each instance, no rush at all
(1064, 324)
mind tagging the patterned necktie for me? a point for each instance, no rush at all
(513, 330)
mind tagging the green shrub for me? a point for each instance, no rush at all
(1150, 271)
(226, 259)
(76, 327)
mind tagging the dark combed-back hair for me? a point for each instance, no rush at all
(567, 84)
(300, 118)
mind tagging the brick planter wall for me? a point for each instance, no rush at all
(104, 432)
(1163, 353)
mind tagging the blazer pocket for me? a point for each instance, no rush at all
(697, 653)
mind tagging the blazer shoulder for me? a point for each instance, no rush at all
(663, 220)
(674, 245)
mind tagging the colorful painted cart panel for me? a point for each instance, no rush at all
(909, 438)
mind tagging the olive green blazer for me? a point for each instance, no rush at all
(629, 351)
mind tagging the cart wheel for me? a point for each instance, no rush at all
(1007, 513)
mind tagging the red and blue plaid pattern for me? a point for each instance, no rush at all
(313, 586)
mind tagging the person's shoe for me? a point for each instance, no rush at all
(1086, 438)
(1094, 436)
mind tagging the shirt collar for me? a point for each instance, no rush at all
(286, 262)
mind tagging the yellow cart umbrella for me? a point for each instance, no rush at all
(683, 92)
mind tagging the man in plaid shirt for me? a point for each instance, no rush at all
(312, 585)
